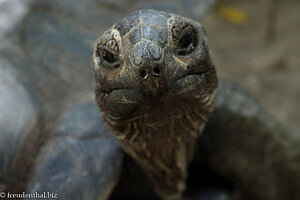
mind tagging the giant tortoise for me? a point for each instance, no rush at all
(186, 135)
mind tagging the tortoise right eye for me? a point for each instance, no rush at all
(107, 58)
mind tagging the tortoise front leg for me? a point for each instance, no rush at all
(243, 143)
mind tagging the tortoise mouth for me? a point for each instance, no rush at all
(199, 74)
(188, 81)
(184, 82)
(128, 102)
(118, 89)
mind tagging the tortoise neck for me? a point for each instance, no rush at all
(163, 143)
(165, 165)
(163, 124)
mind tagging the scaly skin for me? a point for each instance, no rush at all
(156, 88)
(48, 54)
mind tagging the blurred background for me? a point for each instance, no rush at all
(253, 42)
(257, 44)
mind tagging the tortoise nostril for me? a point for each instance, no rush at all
(143, 74)
(156, 71)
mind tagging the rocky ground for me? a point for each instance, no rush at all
(262, 54)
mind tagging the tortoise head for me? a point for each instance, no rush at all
(153, 69)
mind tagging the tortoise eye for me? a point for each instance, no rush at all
(107, 52)
(107, 58)
(187, 41)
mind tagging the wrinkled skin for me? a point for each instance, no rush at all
(53, 139)
(50, 128)
(155, 86)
